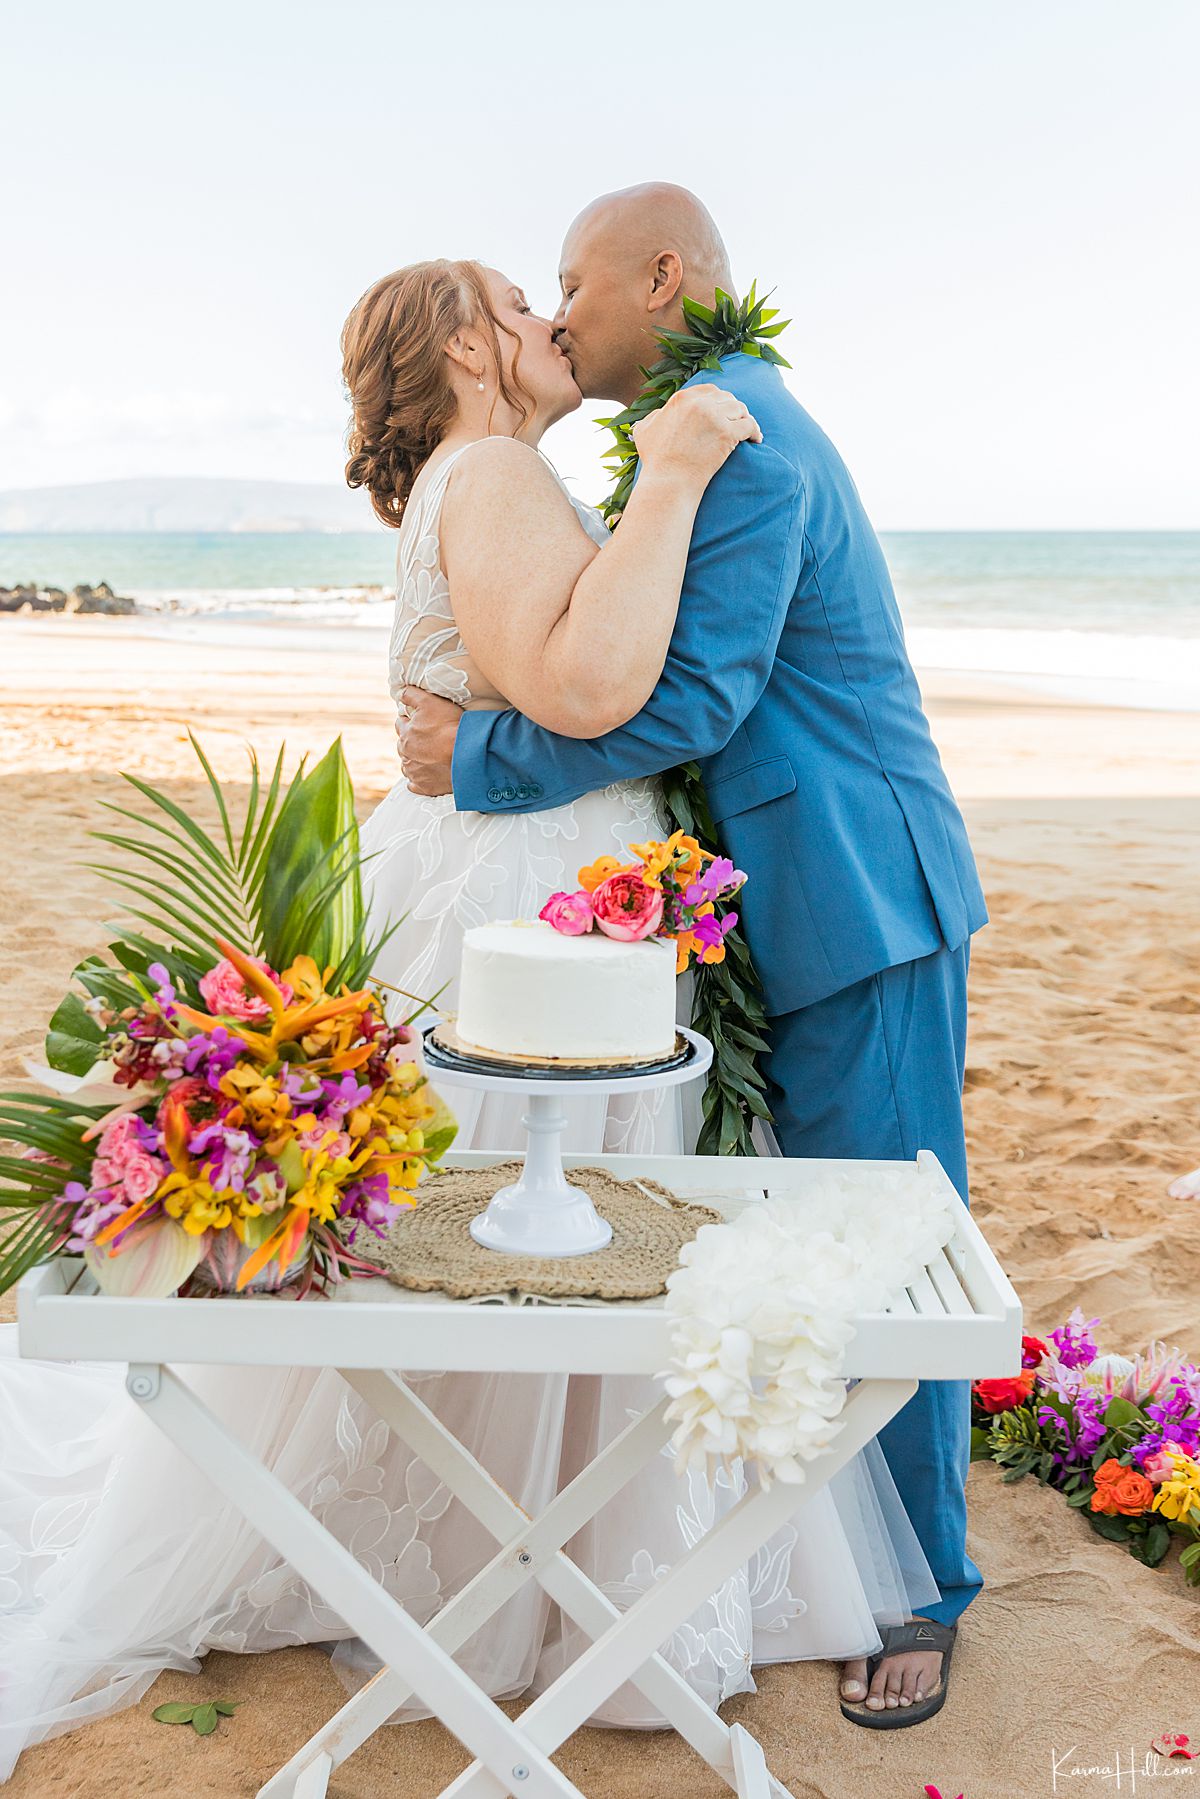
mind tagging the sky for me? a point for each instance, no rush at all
(979, 217)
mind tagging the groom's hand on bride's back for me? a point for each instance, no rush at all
(425, 741)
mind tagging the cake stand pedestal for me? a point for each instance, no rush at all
(541, 1213)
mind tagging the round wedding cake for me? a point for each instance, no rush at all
(528, 990)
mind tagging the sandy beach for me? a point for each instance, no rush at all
(1083, 1102)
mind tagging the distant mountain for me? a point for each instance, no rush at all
(171, 503)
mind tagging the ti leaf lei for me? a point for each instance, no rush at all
(727, 1005)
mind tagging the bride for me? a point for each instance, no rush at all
(117, 1560)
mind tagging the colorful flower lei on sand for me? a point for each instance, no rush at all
(1119, 1438)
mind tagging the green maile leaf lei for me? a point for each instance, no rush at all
(727, 1004)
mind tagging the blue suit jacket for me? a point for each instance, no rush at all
(788, 679)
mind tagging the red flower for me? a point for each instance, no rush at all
(1004, 1395)
(1033, 1351)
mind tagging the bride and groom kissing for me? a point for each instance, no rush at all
(546, 672)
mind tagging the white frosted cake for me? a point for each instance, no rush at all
(528, 990)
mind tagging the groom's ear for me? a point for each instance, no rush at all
(666, 279)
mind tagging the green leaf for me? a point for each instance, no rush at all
(438, 1142)
(1116, 1530)
(227, 1707)
(1121, 1411)
(173, 1713)
(204, 1720)
(74, 1038)
(315, 834)
(1158, 1541)
(981, 1444)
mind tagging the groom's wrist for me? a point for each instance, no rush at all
(475, 788)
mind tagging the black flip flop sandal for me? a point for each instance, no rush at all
(921, 1633)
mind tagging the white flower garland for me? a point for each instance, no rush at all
(763, 1310)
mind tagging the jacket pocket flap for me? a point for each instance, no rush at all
(752, 786)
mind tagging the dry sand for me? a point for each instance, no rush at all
(1083, 1100)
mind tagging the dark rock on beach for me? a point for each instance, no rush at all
(28, 599)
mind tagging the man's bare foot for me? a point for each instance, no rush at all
(899, 1680)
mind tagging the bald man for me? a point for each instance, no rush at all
(788, 680)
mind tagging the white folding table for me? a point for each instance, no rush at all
(960, 1319)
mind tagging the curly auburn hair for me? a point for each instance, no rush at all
(397, 373)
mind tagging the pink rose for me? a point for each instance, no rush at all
(570, 913)
(627, 908)
(120, 1140)
(224, 993)
(1158, 1467)
(141, 1178)
(105, 1173)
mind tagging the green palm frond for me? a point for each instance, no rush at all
(281, 880)
(32, 1227)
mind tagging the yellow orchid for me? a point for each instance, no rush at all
(195, 1203)
(679, 850)
(1178, 1497)
(306, 980)
(266, 1106)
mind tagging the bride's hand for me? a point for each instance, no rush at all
(694, 433)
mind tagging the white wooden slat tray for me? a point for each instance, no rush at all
(372, 1324)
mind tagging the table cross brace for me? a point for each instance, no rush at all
(512, 1757)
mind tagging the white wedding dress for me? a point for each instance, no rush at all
(118, 1560)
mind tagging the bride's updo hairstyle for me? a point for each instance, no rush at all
(395, 367)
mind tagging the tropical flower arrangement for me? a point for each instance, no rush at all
(233, 1107)
(679, 892)
(668, 892)
(1119, 1438)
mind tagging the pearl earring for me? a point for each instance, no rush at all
(479, 384)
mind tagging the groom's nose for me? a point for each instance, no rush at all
(558, 322)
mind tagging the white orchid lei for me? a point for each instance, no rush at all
(763, 1310)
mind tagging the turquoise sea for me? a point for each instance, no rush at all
(1111, 616)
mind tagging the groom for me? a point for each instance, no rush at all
(788, 680)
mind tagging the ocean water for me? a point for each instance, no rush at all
(1105, 616)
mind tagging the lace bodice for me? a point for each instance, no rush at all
(426, 649)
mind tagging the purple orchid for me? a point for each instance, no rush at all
(1073, 1342)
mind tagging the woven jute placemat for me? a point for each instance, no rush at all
(430, 1249)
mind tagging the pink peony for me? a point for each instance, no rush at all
(141, 1177)
(224, 993)
(570, 913)
(627, 908)
(120, 1140)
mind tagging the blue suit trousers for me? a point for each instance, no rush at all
(876, 1071)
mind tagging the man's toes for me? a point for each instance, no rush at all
(892, 1691)
(854, 1682)
(909, 1686)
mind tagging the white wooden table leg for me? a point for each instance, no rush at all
(580, 1599)
(332, 1571)
(749, 1765)
(314, 1782)
(601, 1669)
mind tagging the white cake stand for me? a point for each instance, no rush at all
(542, 1214)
